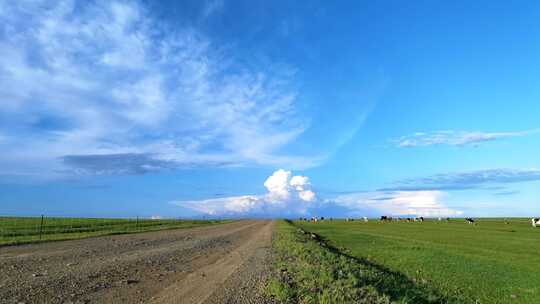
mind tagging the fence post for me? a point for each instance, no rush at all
(41, 227)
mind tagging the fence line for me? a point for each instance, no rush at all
(24, 229)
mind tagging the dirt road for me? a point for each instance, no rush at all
(215, 264)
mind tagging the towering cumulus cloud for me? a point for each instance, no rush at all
(287, 195)
(281, 187)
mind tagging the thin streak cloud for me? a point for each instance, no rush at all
(455, 138)
(466, 180)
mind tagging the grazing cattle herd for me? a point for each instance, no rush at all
(469, 220)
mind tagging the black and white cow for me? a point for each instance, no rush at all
(470, 221)
(535, 222)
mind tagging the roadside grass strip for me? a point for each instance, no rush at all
(21, 230)
(307, 269)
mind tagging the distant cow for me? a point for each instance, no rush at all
(385, 218)
(365, 219)
(535, 222)
(470, 221)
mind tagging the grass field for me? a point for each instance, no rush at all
(16, 230)
(492, 262)
(307, 270)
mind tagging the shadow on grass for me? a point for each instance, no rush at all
(394, 284)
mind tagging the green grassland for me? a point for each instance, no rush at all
(309, 270)
(17, 230)
(491, 262)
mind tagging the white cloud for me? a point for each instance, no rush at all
(287, 195)
(455, 138)
(278, 186)
(120, 82)
(299, 182)
(417, 203)
(290, 195)
(238, 205)
(281, 186)
(307, 195)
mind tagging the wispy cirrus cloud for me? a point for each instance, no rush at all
(455, 138)
(133, 96)
(506, 193)
(466, 180)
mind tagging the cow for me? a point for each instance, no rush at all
(384, 218)
(365, 219)
(535, 222)
(470, 221)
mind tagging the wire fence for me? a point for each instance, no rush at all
(27, 229)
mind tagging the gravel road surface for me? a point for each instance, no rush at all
(225, 263)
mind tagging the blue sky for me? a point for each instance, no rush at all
(258, 108)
